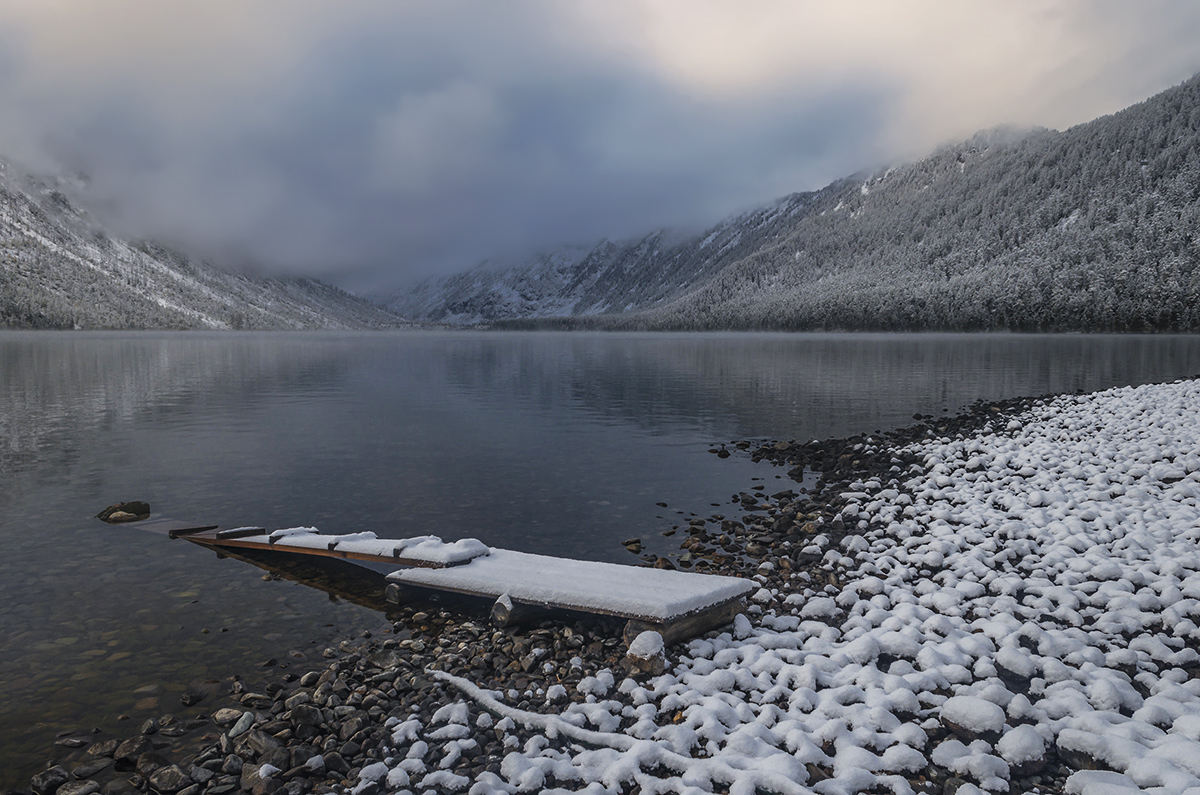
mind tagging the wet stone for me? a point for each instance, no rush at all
(127, 752)
(169, 779)
(192, 696)
(48, 781)
(306, 715)
(259, 742)
(353, 726)
(103, 748)
(149, 762)
(242, 726)
(79, 788)
(387, 659)
(90, 768)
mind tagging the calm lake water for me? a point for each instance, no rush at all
(556, 443)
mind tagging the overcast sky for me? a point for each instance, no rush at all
(373, 141)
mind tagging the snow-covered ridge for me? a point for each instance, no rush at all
(58, 269)
(610, 277)
(1089, 229)
(1028, 587)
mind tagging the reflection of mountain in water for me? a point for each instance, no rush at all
(800, 386)
(61, 394)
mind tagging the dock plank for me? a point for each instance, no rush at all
(422, 551)
(630, 592)
(676, 604)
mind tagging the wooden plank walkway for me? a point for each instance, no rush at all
(676, 604)
(422, 551)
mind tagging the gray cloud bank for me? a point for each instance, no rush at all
(370, 142)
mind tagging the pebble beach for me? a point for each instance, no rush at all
(1003, 601)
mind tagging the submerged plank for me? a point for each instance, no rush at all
(172, 527)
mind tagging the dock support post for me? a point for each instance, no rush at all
(686, 626)
(507, 613)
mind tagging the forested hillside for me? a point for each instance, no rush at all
(58, 269)
(1096, 228)
(608, 278)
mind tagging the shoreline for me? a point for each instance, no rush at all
(379, 691)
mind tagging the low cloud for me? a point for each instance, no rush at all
(371, 141)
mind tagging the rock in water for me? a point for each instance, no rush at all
(48, 781)
(169, 779)
(125, 512)
(192, 696)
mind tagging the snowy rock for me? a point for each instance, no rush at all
(1100, 782)
(820, 607)
(1015, 666)
(1024, 750)
(972, 718)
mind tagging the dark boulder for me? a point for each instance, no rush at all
(125, 512)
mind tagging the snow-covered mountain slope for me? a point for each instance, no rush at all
(1096, 228)
(611, 277)
(58, 269)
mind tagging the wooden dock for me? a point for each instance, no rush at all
(421, 551)
(676, 604)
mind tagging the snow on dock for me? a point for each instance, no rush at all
(655, 595)
(428, 551)
(675, 604)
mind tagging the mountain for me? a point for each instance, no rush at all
(59, 269)
(609, 278)
(1096, 228)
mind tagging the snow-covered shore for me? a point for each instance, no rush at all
(1023, 593)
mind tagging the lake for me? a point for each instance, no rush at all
(542, 442)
